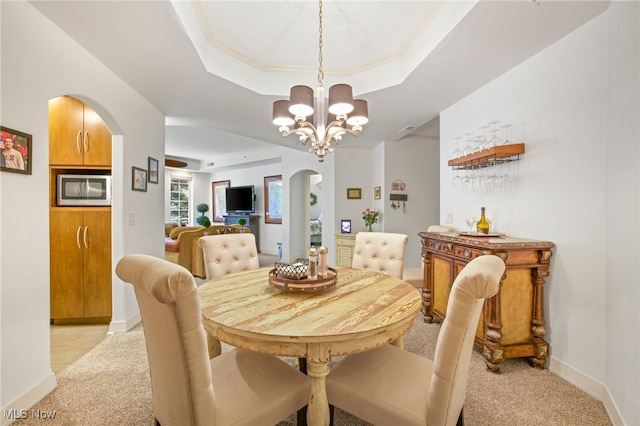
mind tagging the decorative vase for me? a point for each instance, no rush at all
(369, 228)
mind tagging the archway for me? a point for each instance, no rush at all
(301, 212)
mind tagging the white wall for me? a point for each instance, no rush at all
(622, 209)
(353, 170)
(562, 191)
(414, 162)
(40, 62)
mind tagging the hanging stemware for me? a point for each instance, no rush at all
(458, 152)
(495, 139)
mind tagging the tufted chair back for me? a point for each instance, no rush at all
(380, 252)
(439, 228)
(227, 253)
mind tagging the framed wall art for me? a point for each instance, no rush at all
(219, 200)
(15, 150)
(138, 179)
(354, 193)
(345, 226)
(377, 193)
(153, 170)
(398, 185)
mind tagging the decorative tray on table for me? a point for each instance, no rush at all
(480, 234)
(293, 278)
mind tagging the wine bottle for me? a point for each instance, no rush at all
(483, 225)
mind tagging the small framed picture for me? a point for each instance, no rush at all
(354, 193)
(153, 170)
(345, 226)
(398, 185)
(138, 179)
(15, 151)
(377, 193)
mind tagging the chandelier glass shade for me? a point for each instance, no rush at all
(309, 115)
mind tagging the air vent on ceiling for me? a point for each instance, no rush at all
(407, 129)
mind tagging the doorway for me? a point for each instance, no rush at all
(302, 214)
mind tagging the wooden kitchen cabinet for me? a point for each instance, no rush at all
(80, 245)
(512, 324)
(77, 134)
(344, 249)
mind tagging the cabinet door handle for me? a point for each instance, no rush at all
(78, 146)
(84, 237)
(78, 237)
(85, 141)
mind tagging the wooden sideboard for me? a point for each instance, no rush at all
(512, 323)
(344, 249)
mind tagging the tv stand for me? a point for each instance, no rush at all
(253, 223)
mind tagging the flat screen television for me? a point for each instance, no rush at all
(240, 199)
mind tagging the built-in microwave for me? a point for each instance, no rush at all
(84, 190)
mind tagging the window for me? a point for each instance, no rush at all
(180, 190)
(273, 199)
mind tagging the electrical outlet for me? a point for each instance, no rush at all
(449, 218)
(132, 219)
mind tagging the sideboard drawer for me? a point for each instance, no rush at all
(466, 252)
(345, 242)
(440, 246)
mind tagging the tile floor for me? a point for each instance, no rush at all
(70, 342)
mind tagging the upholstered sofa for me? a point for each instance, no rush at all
(178, 245)
(181, 245)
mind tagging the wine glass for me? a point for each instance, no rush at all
(495, 139)
(507, 133)
(457, 180)
(471, 223)
(458, 152)
(468, 149)
(483, 142)
(478, 141)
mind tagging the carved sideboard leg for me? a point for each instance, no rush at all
(494, 356)
(541, 351)
(427, 283)
(538, 331)
(493, 350)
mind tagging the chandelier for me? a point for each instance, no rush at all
(344, 114)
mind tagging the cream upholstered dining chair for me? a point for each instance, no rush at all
(237, 387)
(227, 253)
(389, 386)
(415, 276)
(223, 254)
(380, 252)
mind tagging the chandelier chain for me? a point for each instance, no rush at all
(320, 71)
(332, 120)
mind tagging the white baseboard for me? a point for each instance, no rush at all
(124, 326)
(589, 385)
(612, 408)
(21, 405)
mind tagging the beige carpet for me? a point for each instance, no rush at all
(110, 386)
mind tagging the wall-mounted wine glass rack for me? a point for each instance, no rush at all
(488, 157)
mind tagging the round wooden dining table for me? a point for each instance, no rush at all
(364, 310)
